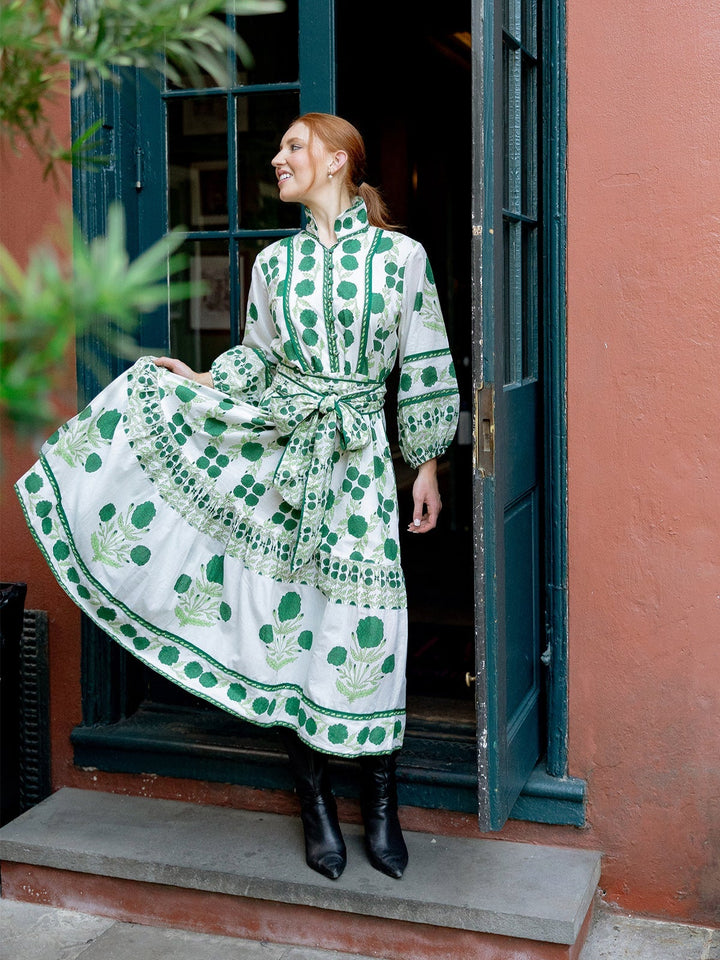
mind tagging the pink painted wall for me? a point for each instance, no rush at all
(30, 210)
(644, 445)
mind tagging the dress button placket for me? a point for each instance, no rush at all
(328, 275)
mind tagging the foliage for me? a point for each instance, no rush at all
(40, 38)
(35, 306)
(43, 308)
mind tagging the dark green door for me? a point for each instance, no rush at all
(508, 412)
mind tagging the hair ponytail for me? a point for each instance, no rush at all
(378, 213)
(339, 134)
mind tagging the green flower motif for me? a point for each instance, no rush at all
(304, 288)
(357, 526)
(236, 692)
(33, 483)
(143, 515)
(370, 632)
(214, 427)
(215, 569)
(107, 512)
(61, 551)
(429, 376)
(107, 422)
(346, 290)
(337, 733)
(185, 394)
(140, 555)
(337, 656)
(283, 638)
(390, 549)
(289, 607)
(252, 451)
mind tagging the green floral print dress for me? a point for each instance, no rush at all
(242, 540)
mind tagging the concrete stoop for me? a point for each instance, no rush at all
(242, 874)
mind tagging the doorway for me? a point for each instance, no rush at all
(413, 107)
(415, 88)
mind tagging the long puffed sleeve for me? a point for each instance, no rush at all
(428, 400)
(245, 372)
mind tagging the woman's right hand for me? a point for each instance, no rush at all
(177, 367)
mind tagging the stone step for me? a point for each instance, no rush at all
(242, 873)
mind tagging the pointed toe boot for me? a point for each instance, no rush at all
(324, 845)
(384, 840)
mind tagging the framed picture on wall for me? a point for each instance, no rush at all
(208, 193)
(211, 310)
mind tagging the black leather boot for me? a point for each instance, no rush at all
(384, 841)
(324, 844)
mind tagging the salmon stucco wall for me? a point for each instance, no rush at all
(31, 208)
(644, 445)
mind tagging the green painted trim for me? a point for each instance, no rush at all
(548, 799)
(191, 745)
(554, 160)
(317, 60)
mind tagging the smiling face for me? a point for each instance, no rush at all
(301, 165)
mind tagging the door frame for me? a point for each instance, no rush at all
(102, 740)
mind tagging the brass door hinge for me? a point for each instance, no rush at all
(484, 430)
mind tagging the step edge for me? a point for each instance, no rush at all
(470, 918)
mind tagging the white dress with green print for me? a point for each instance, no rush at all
(242, 540)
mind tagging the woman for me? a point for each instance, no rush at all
(237, 530)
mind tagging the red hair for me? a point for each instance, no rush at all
(339, 134)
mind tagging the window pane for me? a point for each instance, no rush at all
(512, 283)
(262, 119)
(530, 302)
(512, 129)
(529, 140)
(511, 17)
(199, 78)
(529, 26)
(273, 42)
(200, 328)
(198, 162)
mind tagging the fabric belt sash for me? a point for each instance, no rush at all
(310, 410)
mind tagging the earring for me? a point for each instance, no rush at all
(330, 176)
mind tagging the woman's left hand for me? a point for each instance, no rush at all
(425, 494)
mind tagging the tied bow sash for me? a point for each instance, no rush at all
(310, 410)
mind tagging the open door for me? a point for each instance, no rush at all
(507, 477)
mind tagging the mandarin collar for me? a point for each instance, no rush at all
(350, 221)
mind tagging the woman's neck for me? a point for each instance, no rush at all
(325, 212)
